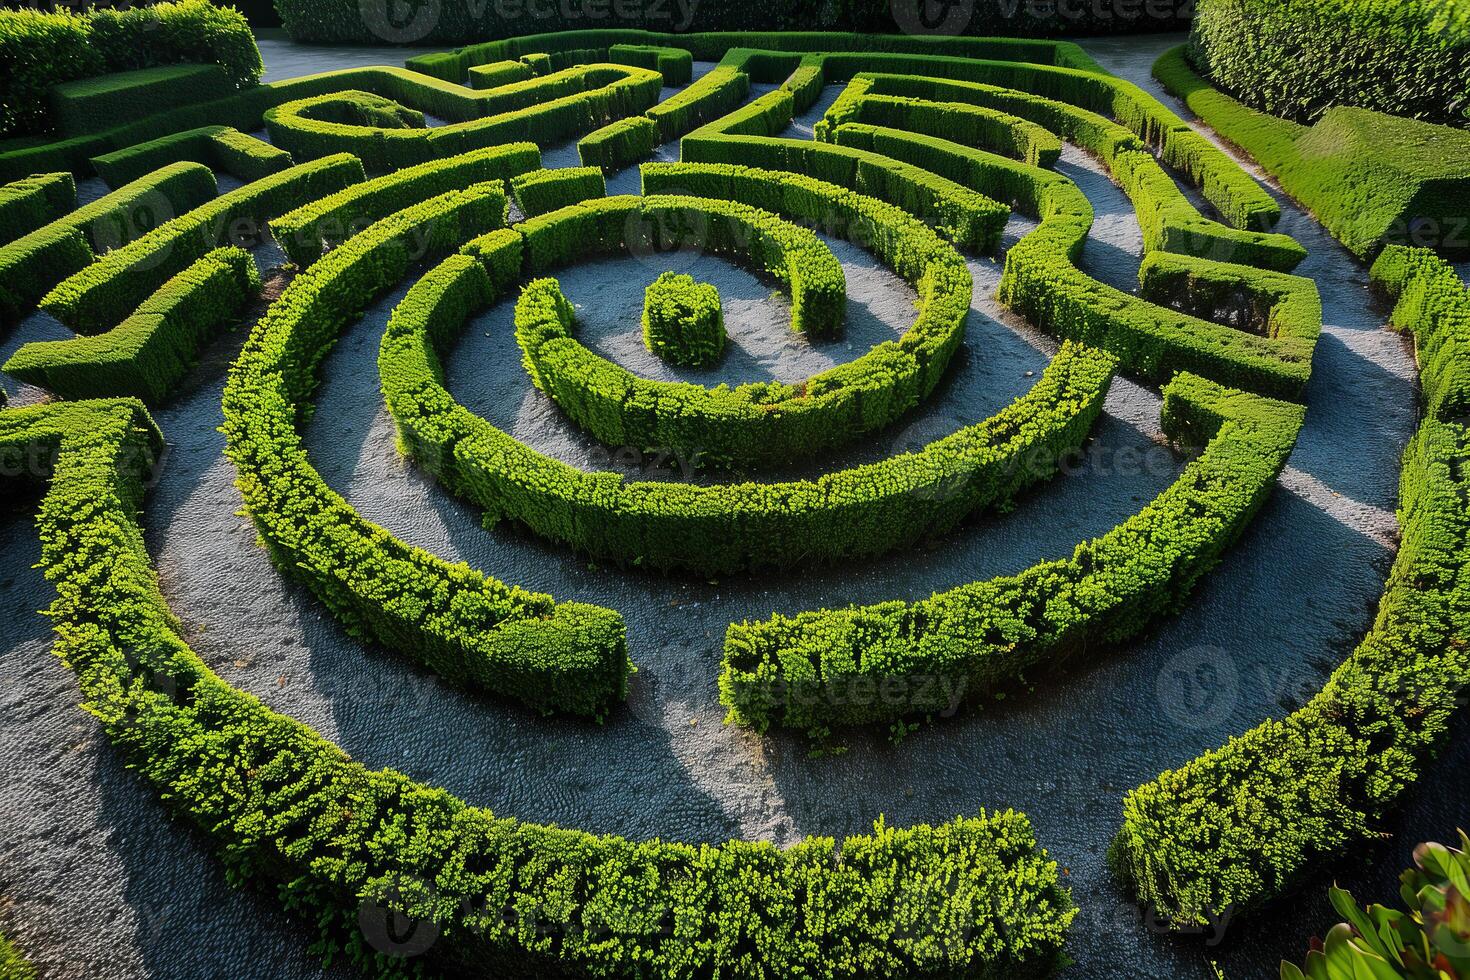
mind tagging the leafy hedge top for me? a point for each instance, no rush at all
(40, 50)
(1298, 58)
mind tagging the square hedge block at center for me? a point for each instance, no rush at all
(682, 322)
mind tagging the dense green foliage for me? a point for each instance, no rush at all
(41, 50)
(147, 354)
(540, 191)
(682, 321)
(98, 296)
(619, 144)
(329, 220)
(887, 661)
(34, 263)
(465, 626)
(1371, 179)
(34, 202)
(222, 148)
(1431, 941)
(1299, 58)
(1239, 825)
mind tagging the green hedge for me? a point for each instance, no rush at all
(97, 297)
(619, 144)
(13, 966)
(151, 351)
(223, 148)
(41, 50)
(1239, 826)
(296, 816)
(675, 64)
(1299, 58)
(970, 219)
(464, 626)
(330, 220)
(33, 264)
(89, 105)
(682, 321)
(34, 202)
(975, 126)
(935, 107)
(764, 423)
(1371, 179)
(717, 92)
(497, 73)
(862, 511)
(385, 135)
(540, 191)
(887, 661)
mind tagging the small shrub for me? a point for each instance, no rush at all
(682, 321)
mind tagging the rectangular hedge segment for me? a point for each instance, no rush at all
(92, 104)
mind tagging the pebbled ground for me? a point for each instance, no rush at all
(97, 881)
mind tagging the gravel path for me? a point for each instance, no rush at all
(96, 881)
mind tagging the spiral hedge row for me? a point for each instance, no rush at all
(928, 149)
(865, 510)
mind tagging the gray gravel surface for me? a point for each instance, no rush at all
(96, 879)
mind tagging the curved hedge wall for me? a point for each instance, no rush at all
(1299, 58)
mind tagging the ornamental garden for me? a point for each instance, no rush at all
(761, 491)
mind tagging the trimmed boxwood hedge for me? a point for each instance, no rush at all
(441, 97)
(743, 138)
(675, 64)
(619, 144)
(859, 512)
(935, 107)
(330, 220)
(883, 662)
(466, 627)
(1239, 826)
(41, 50)
(89, 105)
(34, 202)
(764, 423)
(34, 263)
(1299, 58)
(223, 148)
(98, 296)
(14, 966)
(498, 73)
(296, 816)
(682, 320)
(385, 135)
(540, 191)
(147, 354)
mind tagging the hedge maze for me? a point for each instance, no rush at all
(430, 179)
